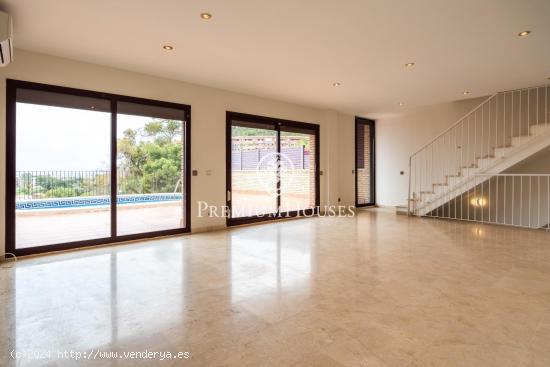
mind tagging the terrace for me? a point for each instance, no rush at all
(64, 206)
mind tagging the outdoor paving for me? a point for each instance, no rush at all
(53, 227)
(45, 227)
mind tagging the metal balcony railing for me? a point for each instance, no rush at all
(60, 184)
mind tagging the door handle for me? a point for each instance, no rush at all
(228, 197)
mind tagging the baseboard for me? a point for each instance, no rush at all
(209, 229)
(396, 209)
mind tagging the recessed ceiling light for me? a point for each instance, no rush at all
(206, 16)
(168, 47)
(336, 84)
(524, 33)
(401, 103)
(409, 64)
(466, 92)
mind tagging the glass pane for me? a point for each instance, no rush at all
(364, 173)
(63, 176)
(253, 170)
(150, 166)
(297, 171)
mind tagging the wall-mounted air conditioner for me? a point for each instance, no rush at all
(6, 40)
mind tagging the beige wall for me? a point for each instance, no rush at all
(538, 163)
(400, 135)
(208, 107)
(397, 136)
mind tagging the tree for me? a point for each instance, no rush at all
(150, 159)
(61, 192)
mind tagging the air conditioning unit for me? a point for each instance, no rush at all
(6, 40)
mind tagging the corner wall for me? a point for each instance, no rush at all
(208, 107)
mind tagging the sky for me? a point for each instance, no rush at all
(65, 139)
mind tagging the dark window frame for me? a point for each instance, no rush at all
(11, 88)
(360, 121)
(277, 125)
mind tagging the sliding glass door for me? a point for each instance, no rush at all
(364, 162)
(253, 169)
(298, 169)
(62, 167)
(86, 168)
(272, 167)
(150, 168)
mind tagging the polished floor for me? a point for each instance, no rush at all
(374, 290)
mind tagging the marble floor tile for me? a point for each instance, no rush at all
(376, 290)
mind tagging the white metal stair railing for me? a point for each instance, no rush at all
(518, 200)
(504, 129)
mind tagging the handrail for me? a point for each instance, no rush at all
(474, 110)
(526, 88)
(453, 125)
(512, 174)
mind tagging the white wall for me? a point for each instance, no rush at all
(400, 135)
(208, 107)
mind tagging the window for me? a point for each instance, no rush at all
(150, 168)
(87, 168)
(273, 167)
(364, 162)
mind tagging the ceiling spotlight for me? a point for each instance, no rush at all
(466, 92)
(206, 16)
(409, 64)
(168, 47)
(336, 84)
(401, 104)
(524, 33)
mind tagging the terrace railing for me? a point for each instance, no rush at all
(59, 184)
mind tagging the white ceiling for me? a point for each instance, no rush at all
(293, 50)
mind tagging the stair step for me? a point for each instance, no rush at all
(501, 151)
(503, 146)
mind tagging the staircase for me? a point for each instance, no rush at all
(502, 131)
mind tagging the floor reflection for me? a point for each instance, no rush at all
(97, 301)
(274, 261)
(378, 289)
